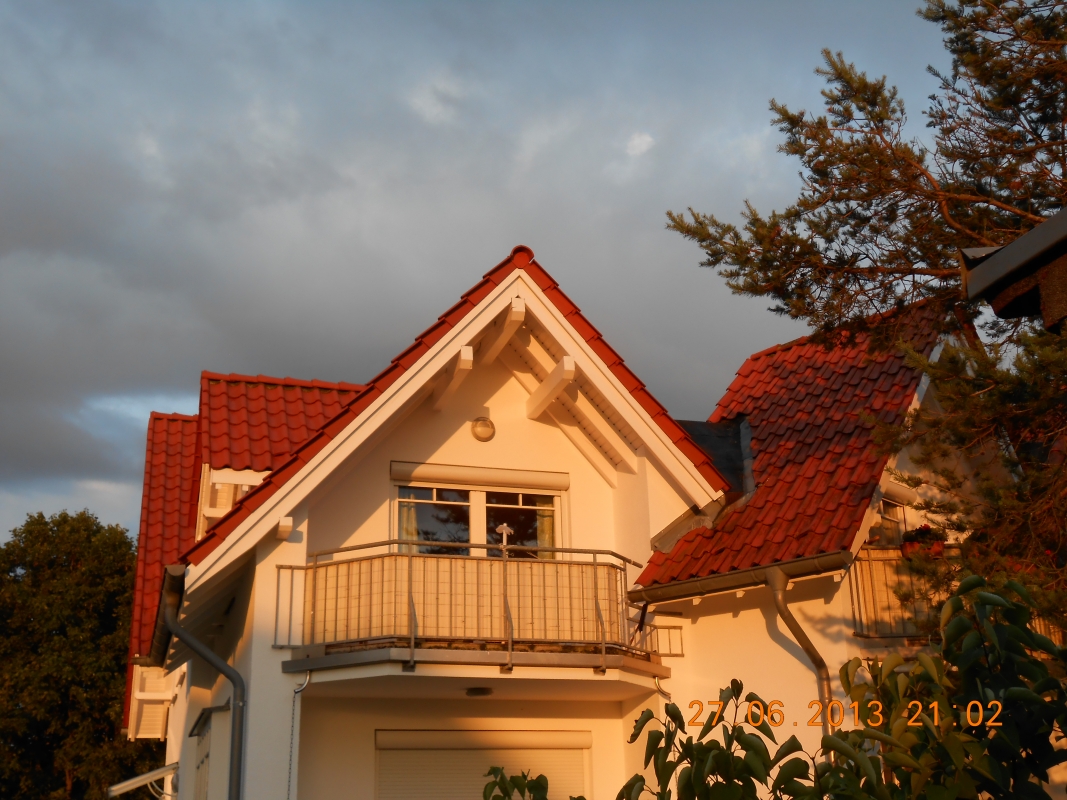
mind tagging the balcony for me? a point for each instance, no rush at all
(442, 603)
(878, 612)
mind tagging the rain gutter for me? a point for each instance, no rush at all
(741, 579)
(776, 577)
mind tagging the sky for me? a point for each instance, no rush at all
(299, 188)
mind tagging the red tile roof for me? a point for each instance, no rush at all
(520, 258)
(168, 518)
(244, 422)
(815, 463)
(257, 422)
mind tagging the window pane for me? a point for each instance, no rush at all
(441, 523)
(537, 500)
(521, 529)
(415, 493)
(454, 495)
(502, 498)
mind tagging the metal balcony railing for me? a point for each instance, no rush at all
(876, 610)
(395, 592)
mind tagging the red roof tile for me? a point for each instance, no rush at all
(245, 422)
(520, 258)
(168, 519)
(814, 458)
(257, 422)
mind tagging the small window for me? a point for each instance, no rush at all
(888, 529)
(520, 519)
(435, 515)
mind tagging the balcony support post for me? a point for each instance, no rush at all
(509, 667)
(603, 668)
(413, 617)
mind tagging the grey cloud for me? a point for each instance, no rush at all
(299, 189)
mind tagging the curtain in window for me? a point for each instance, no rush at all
(546, 535)
(409, 525)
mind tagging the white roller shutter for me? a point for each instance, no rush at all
(414, 765)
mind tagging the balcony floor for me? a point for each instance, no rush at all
(448, 672)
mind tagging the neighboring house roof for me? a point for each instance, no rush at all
(1027, 277)
(520, 258)
(257, 422)
(815, 466)
(168, 517)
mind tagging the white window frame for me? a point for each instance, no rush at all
(478, 508)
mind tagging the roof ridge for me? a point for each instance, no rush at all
(173, 416)
(521, 257)
(806, 338)
(314, 383)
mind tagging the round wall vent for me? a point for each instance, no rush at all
(483, 429)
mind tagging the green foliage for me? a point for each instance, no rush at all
(877, 226)
(516, 787)
(975, 720)
(880, 216)
(66, 586)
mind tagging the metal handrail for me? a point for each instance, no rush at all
(471, 545)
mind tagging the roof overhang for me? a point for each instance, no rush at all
(417, 381)
(744, 579)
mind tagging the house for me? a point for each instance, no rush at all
(499, 550)
(1026, 277)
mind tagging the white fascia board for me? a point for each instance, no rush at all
(264, 519)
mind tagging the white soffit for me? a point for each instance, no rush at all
(482, 740)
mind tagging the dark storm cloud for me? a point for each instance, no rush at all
(299, 188)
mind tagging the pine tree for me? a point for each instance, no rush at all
(877, 226)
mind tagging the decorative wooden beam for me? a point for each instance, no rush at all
(617, 448)
(551, 388)
(562, 418)
(453, 377)
(285, 528)
(512, 322)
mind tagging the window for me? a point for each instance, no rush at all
(435, 515)
(518, 518)
(888, 529)
(471, 516)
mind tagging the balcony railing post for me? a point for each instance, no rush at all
(314, 596)
(600, 621)
(413, 617)
(508, 667)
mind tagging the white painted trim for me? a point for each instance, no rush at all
(483, 740)
(239, 477)
(479, 476)
(551, 387)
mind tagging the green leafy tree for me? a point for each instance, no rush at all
(66, 585)
(877, 226)
(979, 719)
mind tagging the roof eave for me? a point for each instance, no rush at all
(737, 580)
